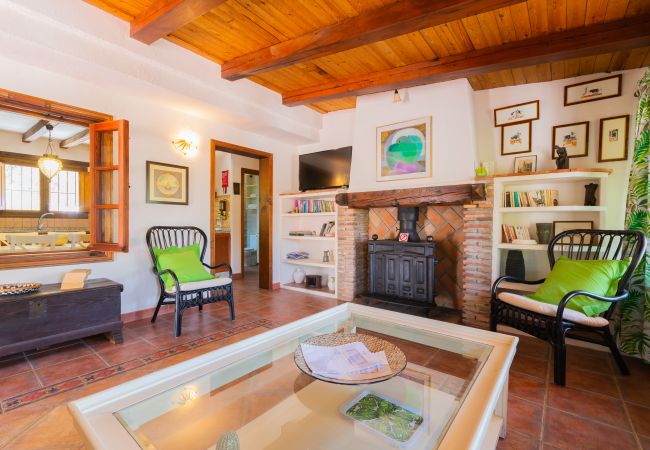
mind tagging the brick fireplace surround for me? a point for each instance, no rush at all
(463, 235)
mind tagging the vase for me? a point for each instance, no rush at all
(331, 283)
(544, 231)
(299, 276)
(515, 266)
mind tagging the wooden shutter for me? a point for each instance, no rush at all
(109, 186)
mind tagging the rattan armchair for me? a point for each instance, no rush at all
(187, 295)
(554, 324)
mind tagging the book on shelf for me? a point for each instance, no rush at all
(313, 206)
(515, 232)
(530, 199)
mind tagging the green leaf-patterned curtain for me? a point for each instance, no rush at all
(633, 327)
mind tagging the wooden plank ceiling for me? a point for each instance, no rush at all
(233, 28)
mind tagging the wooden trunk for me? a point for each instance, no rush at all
(51, 316)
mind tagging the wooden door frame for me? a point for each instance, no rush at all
(265, 206)
(242, 223)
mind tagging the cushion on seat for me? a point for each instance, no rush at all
(550, 310)
(185, 262)
(195, 285)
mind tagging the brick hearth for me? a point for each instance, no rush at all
(464, 237)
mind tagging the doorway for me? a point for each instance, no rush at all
(256, 242)
(250, 230)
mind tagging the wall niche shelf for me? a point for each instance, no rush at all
(315, 246)
(570, 186)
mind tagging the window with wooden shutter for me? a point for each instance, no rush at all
(109, 186)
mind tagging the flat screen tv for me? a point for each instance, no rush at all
(326, 169)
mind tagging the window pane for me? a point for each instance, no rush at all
(64, 191)
(22, 186)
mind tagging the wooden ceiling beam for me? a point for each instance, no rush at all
(166, 16)
(584, 41)
(79, 138)
(36, 131)
(396, 19)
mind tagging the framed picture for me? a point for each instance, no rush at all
(572, 136)
(590, 91)
(516, 138)
(525, 164)
(613, 138)
(521, 112)
(563, 225)
(167, 183)
(404, 150)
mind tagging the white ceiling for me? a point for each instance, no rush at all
(19, 123)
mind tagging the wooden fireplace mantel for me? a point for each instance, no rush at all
(459, 194)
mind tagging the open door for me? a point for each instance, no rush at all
(109, 186)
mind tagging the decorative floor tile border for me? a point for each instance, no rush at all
(27, 398)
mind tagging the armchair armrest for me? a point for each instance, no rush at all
(567, 298)
(220, 265)
(513, 280)
(173, 275)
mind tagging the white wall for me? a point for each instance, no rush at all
(553, 112)
(450, 106)
(152, 127)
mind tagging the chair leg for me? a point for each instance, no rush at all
(231, 305)
(609, 340)
(200, 307)
(559, 361)
(493, 317)
(178, 322)
(155, 313)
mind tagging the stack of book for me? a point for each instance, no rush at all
(513, 233)
(545, 197)
(313, 206)
(297, 255)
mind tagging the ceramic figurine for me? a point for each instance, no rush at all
(590, 194)
(562, 160)
(299, 276)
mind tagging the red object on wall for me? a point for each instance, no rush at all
(224, 181)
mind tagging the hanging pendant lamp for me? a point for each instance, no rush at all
(49, 164)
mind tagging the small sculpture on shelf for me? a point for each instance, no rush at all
(590, 194)
(562, 160)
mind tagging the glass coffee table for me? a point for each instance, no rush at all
(251, 394)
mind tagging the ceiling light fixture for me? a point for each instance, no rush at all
(396, 97)
(49, 164)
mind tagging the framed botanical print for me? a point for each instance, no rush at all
(525, 164)
(521, 112)
(572, 136)
(516, 138)
(167, 183)
(590, 91)
(613, 138)
(404, 150)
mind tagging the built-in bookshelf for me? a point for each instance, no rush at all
(308, 224)
(534, 203)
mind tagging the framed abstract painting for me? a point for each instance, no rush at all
(404, 150)
(167, 183)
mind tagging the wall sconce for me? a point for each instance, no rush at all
(187, 143)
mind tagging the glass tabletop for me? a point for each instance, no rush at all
(266, 402)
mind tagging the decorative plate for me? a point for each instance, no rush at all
(395, 356)
(19, 288)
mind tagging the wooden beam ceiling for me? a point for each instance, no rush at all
(166, 16)
(79, 138)
(396, 19)
(585, 41)
(36, 131)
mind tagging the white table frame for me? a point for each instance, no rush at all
(478, 424)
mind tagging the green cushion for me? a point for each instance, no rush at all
(596, 277)
(185, 262)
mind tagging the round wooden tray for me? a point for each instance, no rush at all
(395, 356)
(18, 288)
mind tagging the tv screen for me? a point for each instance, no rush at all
(326, 169)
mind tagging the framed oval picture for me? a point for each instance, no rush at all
(167, 183)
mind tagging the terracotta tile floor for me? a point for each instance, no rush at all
(599, 409)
